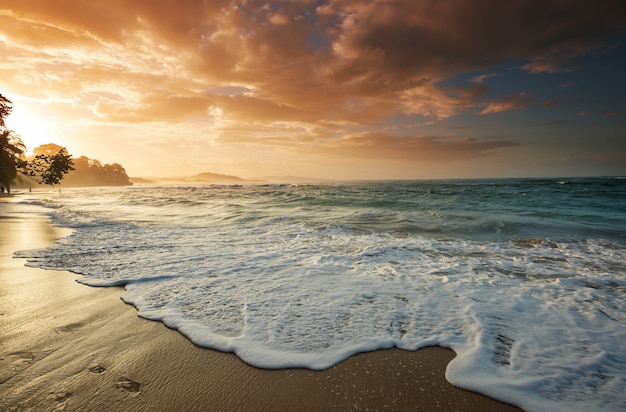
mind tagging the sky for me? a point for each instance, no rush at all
(350, 89)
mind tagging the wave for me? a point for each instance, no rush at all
(307, 276)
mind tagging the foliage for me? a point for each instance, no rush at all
(11, 148)
(49, 169)
(86, 171)
(92, 172)
(49, 149)
(51, 162)
(5, 109)
(46, 167)
(11, 152)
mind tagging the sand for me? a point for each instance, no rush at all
(66, 346)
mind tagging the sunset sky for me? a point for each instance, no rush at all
(353, 89)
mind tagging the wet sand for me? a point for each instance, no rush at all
(66, 346)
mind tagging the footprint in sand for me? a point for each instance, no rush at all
(128, 385)
(70, 327)
(96, 369)
(27, 356)
(14, 362)
(61, 397)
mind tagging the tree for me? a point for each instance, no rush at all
(5, 109)
(49, 169)
(11, 149)
(92, 172)
(49, 149)
(11, 158)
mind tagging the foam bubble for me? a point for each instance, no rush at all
(283, 278)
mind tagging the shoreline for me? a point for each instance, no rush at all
(68, 346)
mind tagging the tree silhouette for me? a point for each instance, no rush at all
(11, 152)
(49, 149)
(48, 168)
(11, 149)
(5, 109)
(51, 162)
(92, 172)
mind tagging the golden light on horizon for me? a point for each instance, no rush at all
(33, 127)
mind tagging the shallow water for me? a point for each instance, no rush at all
(523, 278)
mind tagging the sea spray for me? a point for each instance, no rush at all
(524, 278)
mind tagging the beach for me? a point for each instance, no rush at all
(67, 346)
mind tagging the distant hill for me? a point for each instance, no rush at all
(141, 181)
(205, 177)
(92, 172)
(214, 177)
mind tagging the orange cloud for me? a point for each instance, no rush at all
(302, 71)
(482, 77)
(422, 148)
(512, 102)
(350, 60)
(373, 145)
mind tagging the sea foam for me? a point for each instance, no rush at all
(530, 297)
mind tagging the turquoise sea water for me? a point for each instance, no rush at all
(523, 278)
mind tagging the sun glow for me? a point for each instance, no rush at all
(32, 127)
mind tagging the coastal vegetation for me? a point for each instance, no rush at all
(44, 168)
(11, 152)
(50, 163)
(48, 168)
(11, 148)
(87, 171)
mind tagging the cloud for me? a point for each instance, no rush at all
(550, 65)
(377, 145)
(482, 77)
(422, 148)
(549, 103)
(338, 63)
(511, 102)
(405, 38)
(155, 108)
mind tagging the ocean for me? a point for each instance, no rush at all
(524, 278)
